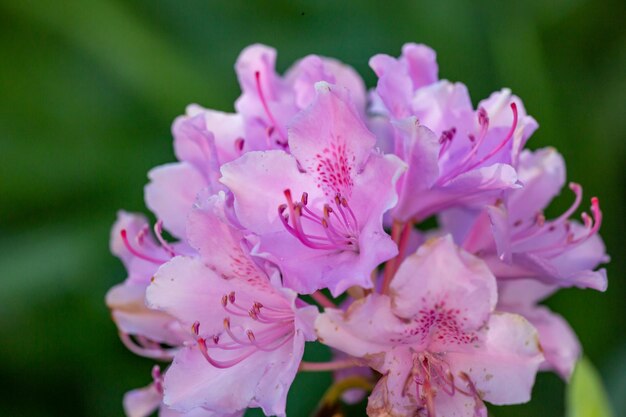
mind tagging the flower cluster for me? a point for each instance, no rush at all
(295, 219)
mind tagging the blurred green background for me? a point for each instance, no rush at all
(88, 89)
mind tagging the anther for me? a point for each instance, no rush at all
(250, 335)
(239, 143)
(195, 328)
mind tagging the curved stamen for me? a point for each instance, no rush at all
(154, 351)
(339, 225)
(268, 112)
(138, 254)
(446, 140)
(222, 364)
(503, 143)
(466, 164)
(158, 231)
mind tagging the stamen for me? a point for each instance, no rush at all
(147, 350)
(446, 140)
(466, 163)
(340, 226)
(239, 144)
(158, 231)
(591, 223)
(503, 143)
(480, 409)
(138, 254)
(268, 112)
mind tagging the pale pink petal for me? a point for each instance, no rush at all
(330, 141)
(395, 87)
(303, 75)
(445, 105)
(171, 193)
(142, 402)
(366, 329)
(261, 381)
(188, 290)
(445, 278)
(227, 130)
(522, 293)
(389, 399)
(257, 58)
(420, 149)
(560, 345)
(504, 365)
(258, 181)
(345, 76)
(422, 64)
(542, 173)
(218, 242)
(458, 405)
(129, 311)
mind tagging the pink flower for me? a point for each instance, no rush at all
(517, 241)
(436, 339)
(318, 212)
(142, 330)
(142, 402)
(249, 335)
(456, 156)
(205, 139)
(268, 102)
(559, 343)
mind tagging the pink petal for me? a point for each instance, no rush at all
(227, 129)
(258, 181)
(366, 329)
(141, 402)
(387, 399)
(542, 173)
(330, 141)
(440, 272)
(444, 105)
(262, 381)
(420, 149)
(188, 290)
(127, 304)
(218, 242)
(503, 367)
(422, 64)
(171, 193)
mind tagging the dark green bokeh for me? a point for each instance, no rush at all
(88, 90)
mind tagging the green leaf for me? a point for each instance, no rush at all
(585, 396)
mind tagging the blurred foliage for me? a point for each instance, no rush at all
(585, 394)
(88, 89)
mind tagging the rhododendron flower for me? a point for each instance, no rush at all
(268, 102)
(456, 156)
(318, 212)
(436, 339)
(249, 334)
(286, 200)
(516, 239)
(141, 329)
